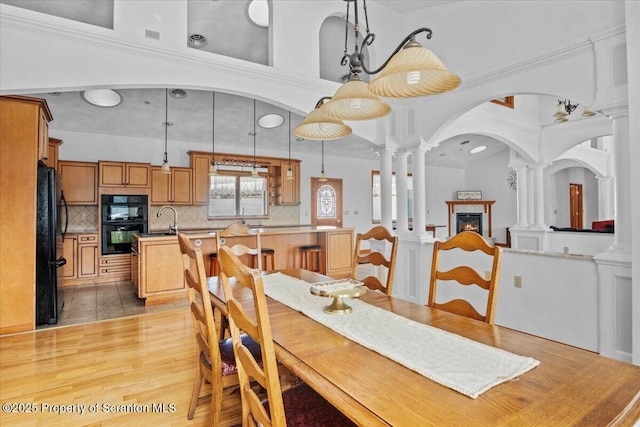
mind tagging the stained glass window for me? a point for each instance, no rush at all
(326, 202)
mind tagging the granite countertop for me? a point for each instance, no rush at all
(266, 230)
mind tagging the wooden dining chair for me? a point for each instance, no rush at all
(375, 258)
(215, 360)
(247, 245)
(299, 405)
(465, 275)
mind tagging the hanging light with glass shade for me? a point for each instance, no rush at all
(323, 177)
(213, 169)
(319, 126)
(289, 174)
(410, 71)
(254, 170)
(165, 163)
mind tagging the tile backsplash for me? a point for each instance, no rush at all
(84, 219)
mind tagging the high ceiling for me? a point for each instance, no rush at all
(142, 112)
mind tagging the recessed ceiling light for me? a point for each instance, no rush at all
(478, 149)
(102, 97)
(258, 13)
(177, 93)
(269, 121)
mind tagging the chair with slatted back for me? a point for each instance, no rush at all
(216, 361)
(297, 406)
(375, 258)
(247, 243)
(467, 241)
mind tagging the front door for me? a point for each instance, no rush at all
(575, 205)
(326, 202)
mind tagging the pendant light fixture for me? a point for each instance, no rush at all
(165, 164)
(254, 170)
(289, 174)
(323, 177)
(213, 169)
(410, 71)
(317, 125)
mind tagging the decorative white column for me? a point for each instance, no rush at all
(402, 199)
(530, 197)
(538, 197)
(386, 194)
(522, 195)
(605, 198)
(419, 191)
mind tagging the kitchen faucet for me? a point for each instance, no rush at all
(173, 229)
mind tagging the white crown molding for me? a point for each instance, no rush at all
(557, 52)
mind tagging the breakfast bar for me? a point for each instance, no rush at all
(156, 265)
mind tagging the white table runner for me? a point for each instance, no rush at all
(459, 363)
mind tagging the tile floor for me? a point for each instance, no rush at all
(101, 301)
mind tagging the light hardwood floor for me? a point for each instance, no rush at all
(132, 364)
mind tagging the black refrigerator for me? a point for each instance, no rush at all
(51, 212)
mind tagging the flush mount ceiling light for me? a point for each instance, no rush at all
(105, 98)
(319, 126)
(478, 149)
(197, 41)
(257, 12)
(410, 71)
(270, 121)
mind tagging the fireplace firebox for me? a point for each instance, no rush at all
(469, 222)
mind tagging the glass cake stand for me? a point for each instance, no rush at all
(338, 289)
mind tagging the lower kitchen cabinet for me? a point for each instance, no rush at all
(159, 275)
(81, 253)
(115, 267)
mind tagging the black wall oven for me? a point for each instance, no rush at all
(122, 216)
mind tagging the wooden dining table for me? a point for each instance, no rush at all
(571, 386)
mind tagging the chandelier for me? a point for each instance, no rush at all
(410, 71)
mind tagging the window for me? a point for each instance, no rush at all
(235, 195)
(326, 203)
(376, 198)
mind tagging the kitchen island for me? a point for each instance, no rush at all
(156, 265)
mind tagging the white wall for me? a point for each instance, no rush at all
(490, 176)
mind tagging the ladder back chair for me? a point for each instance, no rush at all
(375, 258)
(297, 406)
(468, 241)
(248, 245)
(215, 359)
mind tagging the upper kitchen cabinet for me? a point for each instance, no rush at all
(200, 163)
(24, 133)
(290, 184)
(79, 182)
(173, 188)
(52, 153)
(122, 174)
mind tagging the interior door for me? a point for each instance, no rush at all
(575, 206)
(326, 202)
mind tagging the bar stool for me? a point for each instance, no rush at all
(213, 264)
(310, 257)
(268, 259)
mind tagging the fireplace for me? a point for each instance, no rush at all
(469, 222)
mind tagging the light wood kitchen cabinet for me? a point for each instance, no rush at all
(290, 187)
(52, 153)
(160, 277)
(79, 182)
(337, 251)
(173, 188)
(200, 164)
(23, 127)
(81, 253)
(115, 267)
(122, 174)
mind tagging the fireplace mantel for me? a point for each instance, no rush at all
(452, 204)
